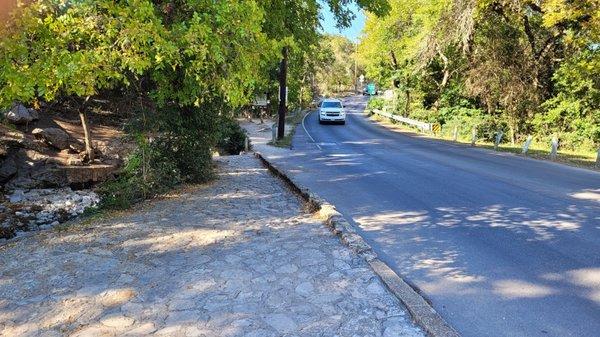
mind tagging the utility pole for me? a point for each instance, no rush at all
(282, 94)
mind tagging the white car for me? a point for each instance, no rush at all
(332, 110)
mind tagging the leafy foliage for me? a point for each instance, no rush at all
(190, 63)
(528, 68)
(232, 137)
(336, 69)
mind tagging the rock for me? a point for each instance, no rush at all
(30, 144)
(8, 168)
(74, 161)
(305, 288)
(16, 196)
(281, 322)
(76, 146)
(35, 155)
(48, 177)
(117, 321)
(34, 114)
(46, 208)
(19, 114)
(7, 230)
(375, 288)
(56, 137)
(3, 148)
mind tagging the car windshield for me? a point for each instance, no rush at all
(331, 105)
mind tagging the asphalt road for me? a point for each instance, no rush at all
(501, 245)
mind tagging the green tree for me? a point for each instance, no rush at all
(530, 66)
(55, 50)
(336, 70)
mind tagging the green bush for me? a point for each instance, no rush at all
(375, 103)
(147, 172)
(174, 146)
(231, 137)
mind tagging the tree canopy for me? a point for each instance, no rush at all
(188, 65)
(524, 67)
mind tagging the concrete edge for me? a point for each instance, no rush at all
(420, 310)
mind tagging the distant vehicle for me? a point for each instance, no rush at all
(332, 110)
(370, 89)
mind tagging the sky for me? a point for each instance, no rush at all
(328, 23)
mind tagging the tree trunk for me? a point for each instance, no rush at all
(444, 81)
(87, 134)
(394, 60)
(282, 94)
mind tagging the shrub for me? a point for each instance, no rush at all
(174, 146)
(231, 137)
(375, 103)
(146, 173)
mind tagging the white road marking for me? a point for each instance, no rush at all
(305, 130)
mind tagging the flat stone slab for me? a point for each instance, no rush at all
(237, 257)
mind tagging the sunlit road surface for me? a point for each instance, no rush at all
(501, 245)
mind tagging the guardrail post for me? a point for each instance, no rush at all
(455, 133)
(526, 145)
(598, 159)
(499, 135)
(554, 148)
(473, 136)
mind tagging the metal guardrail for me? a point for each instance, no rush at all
(424, 127)
(430, 127)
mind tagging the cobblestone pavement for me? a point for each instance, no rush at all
(234, 258)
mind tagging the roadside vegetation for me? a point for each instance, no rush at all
(292, 120)
(520, 67)
(187, 68)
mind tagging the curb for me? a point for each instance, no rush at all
(421, 311)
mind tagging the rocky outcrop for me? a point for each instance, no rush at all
(19, 114)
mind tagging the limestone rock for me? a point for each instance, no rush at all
(34, 114)
(56, 137)
(7, 229)
(49, 177)
(19, 114)
(8, 168)
(74, 161)
(281, 322)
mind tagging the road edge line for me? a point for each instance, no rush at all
(420, 310)
(308, 133)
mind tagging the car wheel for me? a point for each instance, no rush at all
(320, 121)
(343, 122)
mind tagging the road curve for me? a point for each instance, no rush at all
(501, 245)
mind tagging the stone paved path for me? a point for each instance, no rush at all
(235, 258)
